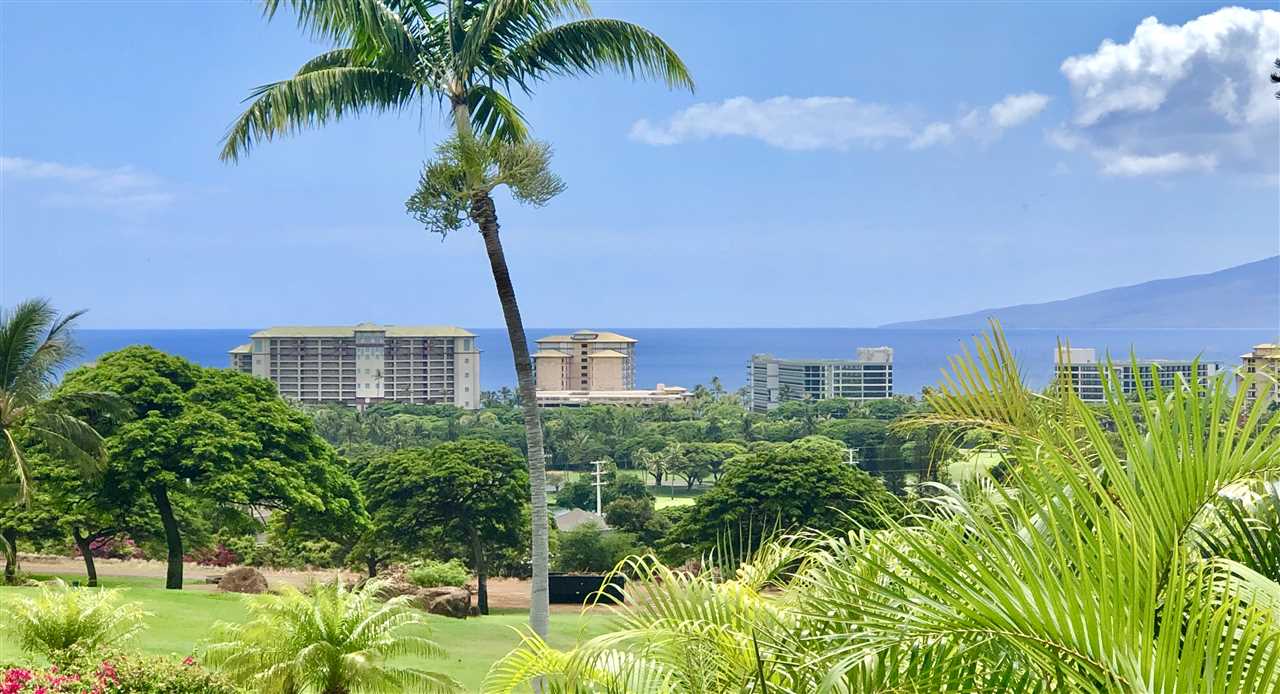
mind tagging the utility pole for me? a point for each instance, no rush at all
(599, 483)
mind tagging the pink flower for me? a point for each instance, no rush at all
(188, 661)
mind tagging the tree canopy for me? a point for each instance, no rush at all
(213, 436)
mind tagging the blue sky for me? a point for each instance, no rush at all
(841, 164)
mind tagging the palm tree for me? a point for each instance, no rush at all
(1083, 570)
(466, 55)
(335, 640)
(35, 347)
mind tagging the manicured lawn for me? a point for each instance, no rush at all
(179, 619)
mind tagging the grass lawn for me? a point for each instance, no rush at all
(179, 619)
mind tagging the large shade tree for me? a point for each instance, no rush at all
(224, 439)
(468, 494)
(468, 56)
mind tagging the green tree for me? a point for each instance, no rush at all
(803, 484)
(214, 436)
(470, 492)
(332, 640)
(35, 346)
(469, 55)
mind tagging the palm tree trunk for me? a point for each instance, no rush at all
(172, 538)
(486, 217)
(9, 538)
(86, 552)
(482, 573)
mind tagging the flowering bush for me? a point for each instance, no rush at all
(116, 674)
(217, 556)
(122, 547)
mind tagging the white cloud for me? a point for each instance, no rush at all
(1138, 165)
(830, 122)
(1016, 109)
(933, 134)
(818, 122)
(1179, 98)
(124, 188)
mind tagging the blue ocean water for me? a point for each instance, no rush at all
(689, 356)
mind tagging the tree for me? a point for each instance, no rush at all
(712, 456)
(468, 54)
(466, 492)
(332, 640)
(35, 346)
(803, 484)
(214, 436)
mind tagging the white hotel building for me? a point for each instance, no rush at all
(366, 364)
(773, 381)
(1079, 367)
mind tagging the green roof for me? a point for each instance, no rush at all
(350, 331)
(242, 349)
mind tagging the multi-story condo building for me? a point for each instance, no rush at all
(1079, 367)
(366, 364)
(773, 381)
(1256, 368)
(587, 360)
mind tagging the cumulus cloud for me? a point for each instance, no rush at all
(123, 188)
(831, 122)
(1178, 98)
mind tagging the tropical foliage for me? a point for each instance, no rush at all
(35, 347)
(1081, 570)
(332, 640)
(59, 619)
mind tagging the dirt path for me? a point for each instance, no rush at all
(504, 593)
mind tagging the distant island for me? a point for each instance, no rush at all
(1242, 297)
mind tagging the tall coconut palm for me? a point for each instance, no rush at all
(468, 56)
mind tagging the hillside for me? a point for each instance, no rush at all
(1246, 296)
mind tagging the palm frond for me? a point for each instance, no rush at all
(588, 46)
(314, 98)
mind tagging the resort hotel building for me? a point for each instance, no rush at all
(366, 364)
(593, 367)
(1256, 368)
(773, 381)
(1080, 369)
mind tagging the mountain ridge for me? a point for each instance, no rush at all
(1241, 297)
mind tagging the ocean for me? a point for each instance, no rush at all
(689, 356)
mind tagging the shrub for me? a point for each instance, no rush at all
(430, 573)
(220, 556)
(334, 639)
(115, 674)
(59, 618)
(119, 547)
(588, 548)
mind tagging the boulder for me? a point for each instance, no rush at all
(394, 582)
(446, 601)
(245, 579)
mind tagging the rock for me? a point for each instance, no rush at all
(445, 601)
(245, 579)
(394, 582)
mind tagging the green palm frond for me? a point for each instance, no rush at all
(315, 98)
(333, 639)
(370, 27)
(59, 618)
(494, 117)
(591, 45)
